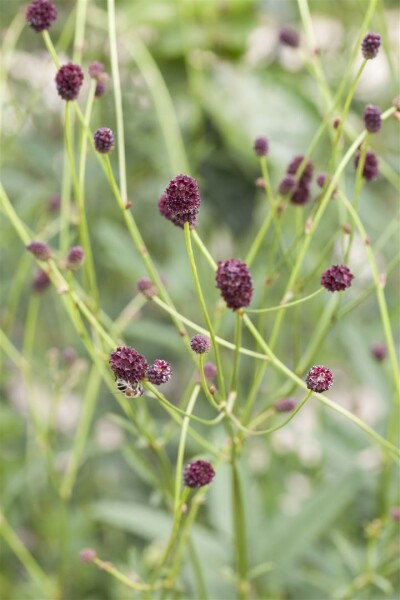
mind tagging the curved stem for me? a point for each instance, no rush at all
(285, 305)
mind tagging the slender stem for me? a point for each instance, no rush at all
(181, 449)
(204, 310)
(134, 585)
(50, 48)
(204, 250)
(239, 526)
(284, 305)
(235, 370)
(204, 383)
(80, 23)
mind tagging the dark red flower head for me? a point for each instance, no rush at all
(40, 250)
(371, 165)
(100, 89)
(159, 372)
(200, 344)
(75, 258)
(285, 405)
(234, 282)
(370, 45)
(372, 118)
(289, 37)
(379, 351)
(198, 473)
(287, 185)
(69, 79)
(301, 192)
(319, 379)
(40, 282)
(261, 146)
(337, 278)
(103, 140)
(146, 287)
(41, 14)
(182, 201)
(128, 364)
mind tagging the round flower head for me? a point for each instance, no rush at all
(289, 37)
(159, 372)
(200, 344)
(128, 364)
(234, 282)
(372, 118)
(40, 282)
(96, 69)
(75, 258)
(308, 170)
(337, 278)
(87, 555)
(40, 250)
(319, 379)
(287, 185)
(41, 14)
(198, 473)
(182, 200)
(100, 89)
(104, 140)
(261, 146)
(285, 405)
(210, 371)
(300, 195)
(370, 45)
(146, 287)
(69, 79)
(371, 165)
(379, 351)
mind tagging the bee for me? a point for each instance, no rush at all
(129, 390)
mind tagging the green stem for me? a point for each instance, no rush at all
(235, 371)
(239, 527)
(207, 319)
(181, 449)
(285, 305)
(204, 383)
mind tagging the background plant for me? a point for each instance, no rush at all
(86, 467)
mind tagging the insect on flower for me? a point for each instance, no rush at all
(129, 390)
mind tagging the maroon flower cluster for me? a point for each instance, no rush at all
(261, 146)
(285, 405)
(75, 258)
(40, 250)
(337, 278)
(200, 344)
(181, 201)
(234, 282)
(371, 165)
(159, 372)
(198, 473)
(40, 282)
(98, 72)
(289, 37)
(210, 371)
(372, 118)
(103, 140)
(299, 190)
(319, 379)
(379, 351)
(128, 364)
(69, 79)
(370, 45)
(40, 15)
(146, 287)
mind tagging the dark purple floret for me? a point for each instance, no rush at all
(87, 555)
(289, 37)
(182, 201)
(234, 282)
(285, 405)
(337, 278)
(370, 45)
(69, 79)
(100, 89)
(104, 140)
(128, 364)
(175, 218)
(287, 185)
(301, 194)
(75, 258)
(371, 165)
(321, 178)
(372, 118)
(200, 344)
(159, 372)
(319, 379)
(198, 473)
(210, 371)
(261, 146)
(146, 287)
(96, 69)
(41, 14)
(40, 282)
(40, 250)
(379, 351)
(308, 170)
